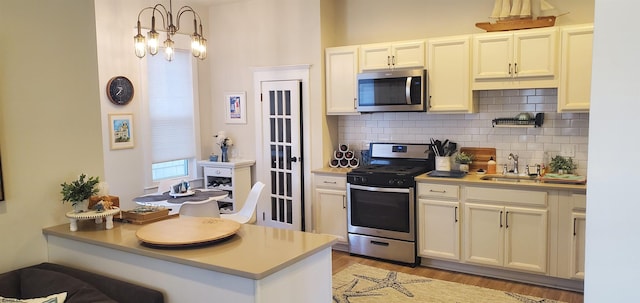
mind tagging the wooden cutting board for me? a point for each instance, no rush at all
(184, 231)
(481, 156)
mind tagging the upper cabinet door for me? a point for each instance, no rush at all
(381, 56)
(492, 56)
(375, 56)
(535, 53)
(574, 91)
(341, 73)
(524, 59)
(449, 71)
(408, 54)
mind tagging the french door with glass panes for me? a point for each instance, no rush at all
(282, 149)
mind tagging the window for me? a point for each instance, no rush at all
(171, 115)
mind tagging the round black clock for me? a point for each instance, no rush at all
(120, 90)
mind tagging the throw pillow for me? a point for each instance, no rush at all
(39, 282)
(55, 298)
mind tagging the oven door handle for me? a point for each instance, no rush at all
(380, 189)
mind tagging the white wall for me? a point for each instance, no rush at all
(370, 21)
(261, 33)
(49, 118)
(613, 202)
(251, 34)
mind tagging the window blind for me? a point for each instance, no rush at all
(171, 107)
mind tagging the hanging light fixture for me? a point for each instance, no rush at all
(152, 42)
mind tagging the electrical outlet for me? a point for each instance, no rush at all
(568, 150)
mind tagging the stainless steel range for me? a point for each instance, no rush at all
(381, 201)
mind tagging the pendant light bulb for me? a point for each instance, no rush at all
(168, 49)
(154, 42)
(154, 38)
(139, 43)
(195, 45)
(203, 49)
(195, 39)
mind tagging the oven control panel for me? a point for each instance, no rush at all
(382, 181)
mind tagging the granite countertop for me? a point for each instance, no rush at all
(473, 178)
(254, 252)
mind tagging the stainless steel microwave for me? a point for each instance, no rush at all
(392, 91)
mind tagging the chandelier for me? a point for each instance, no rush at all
(152, 42)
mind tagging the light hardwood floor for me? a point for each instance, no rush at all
(342, 260)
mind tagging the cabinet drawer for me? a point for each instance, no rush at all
(218, 172)
(331, 181)
(438, 191)
(500, 195)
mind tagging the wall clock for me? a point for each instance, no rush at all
(120, 90)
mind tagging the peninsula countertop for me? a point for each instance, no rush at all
(254, 252)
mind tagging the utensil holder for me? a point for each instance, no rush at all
(443, 163)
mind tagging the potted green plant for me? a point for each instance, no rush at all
(79, 191)
(562, 165)
(463, 159)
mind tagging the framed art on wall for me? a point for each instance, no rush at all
(236, 108)
(121, 131)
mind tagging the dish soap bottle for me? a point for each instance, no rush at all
(491, 166)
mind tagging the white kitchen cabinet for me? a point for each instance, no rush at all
(382, 56)
(524, 59)
(506, 228)
(572, 236)
(330, 205)
(574, 90)
(341, 71)
(439, 221)
(449, 71)
(233, 177)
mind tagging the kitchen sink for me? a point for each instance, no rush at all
(511, 178)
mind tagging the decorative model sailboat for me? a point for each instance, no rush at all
(516, 14)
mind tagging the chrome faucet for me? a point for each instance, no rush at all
(515, 162)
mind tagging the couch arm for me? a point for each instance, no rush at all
(121, 291)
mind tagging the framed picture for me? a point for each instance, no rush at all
(236, 108)
(121, 131)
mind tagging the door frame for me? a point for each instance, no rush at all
(285, 73)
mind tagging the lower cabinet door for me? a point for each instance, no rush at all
(509, 237)
(439, 229)
(576, 258)
(484, 235)
(526, 239)
(331, 209)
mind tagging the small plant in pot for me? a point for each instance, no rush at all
(464, 159)
(79, 191)
(562, 165)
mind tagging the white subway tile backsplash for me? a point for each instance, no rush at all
(533, 145)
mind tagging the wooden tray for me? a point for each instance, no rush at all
(481, 156)
(187, 231)
(146, 217)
